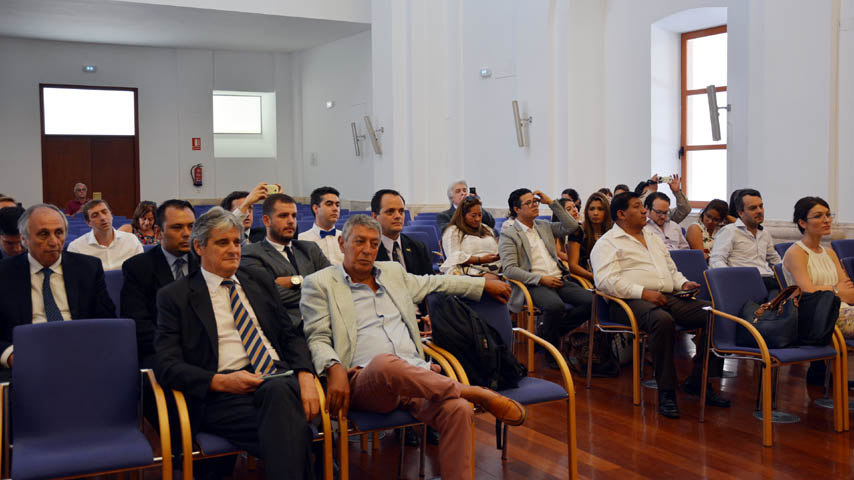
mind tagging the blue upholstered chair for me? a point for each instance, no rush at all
(600, 318)
(531, 390)
(782, 247)
(843, 248)
(692, 264)
(114, 280)
(848, 265)
(75, 402)
(730, 289)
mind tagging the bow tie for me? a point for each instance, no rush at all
(325, 233)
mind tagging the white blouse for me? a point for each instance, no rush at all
(458, 250)
(820, 266)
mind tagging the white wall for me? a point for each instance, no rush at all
(339, 72)
(665, 104)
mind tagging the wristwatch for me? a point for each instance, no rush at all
(296, 281)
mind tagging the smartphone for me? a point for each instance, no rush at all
(686, 293)
(286, 373)
(473, 191)
(272, 188)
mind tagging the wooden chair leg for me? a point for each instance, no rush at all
(636, 371)
(767, 433)
(375, 441)
(343, 449)
(363, 442)
(571, 440)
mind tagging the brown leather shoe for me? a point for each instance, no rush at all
(502, 408)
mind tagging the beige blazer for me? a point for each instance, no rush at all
(329, 314)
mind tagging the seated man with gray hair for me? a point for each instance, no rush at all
(457, 191)
(47, 284)
(359, 318)
(225, 340)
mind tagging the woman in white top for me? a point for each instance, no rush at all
(701, 235)
(812, 267)
(470, 246)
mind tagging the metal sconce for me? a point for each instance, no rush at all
(521, 125)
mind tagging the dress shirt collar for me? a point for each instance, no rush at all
(375, 272)
(278, 246)
(740, 225)
(619, 232)
(170, 259)
(524, 227)
(317, 229)
(214, 281)
(91, 240)
(651, 223)
(36, 267)
(389, 244)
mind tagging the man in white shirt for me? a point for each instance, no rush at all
(326, 207)
(633, 264)
(746, 243)
(47, 284)
(658, 212)
(112, 246)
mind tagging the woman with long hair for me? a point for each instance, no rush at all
(701, 235)
(143, 223)
(597, 221)
(470, 246)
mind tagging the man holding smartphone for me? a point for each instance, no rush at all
(632, 263)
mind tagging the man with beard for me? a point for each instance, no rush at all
(286, 259)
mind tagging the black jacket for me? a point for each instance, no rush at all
(145, 274)
(186, 343)
(415, 256)
(85, 289)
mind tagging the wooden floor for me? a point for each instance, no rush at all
(619, 441)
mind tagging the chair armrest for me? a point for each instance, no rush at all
(448, 362)
(441, 360)
(763, 347)
(625, 306)
(163, 420)
(327, 431)
(581, 280)
(529, 304)
(186, 433)
(561, 362)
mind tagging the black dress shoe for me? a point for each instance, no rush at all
(667, 404)
(712, 397)
(432, 436)
(411, 438)
(816, 373)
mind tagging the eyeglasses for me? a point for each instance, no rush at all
(660, 212)
(829, 215)
(531, 203)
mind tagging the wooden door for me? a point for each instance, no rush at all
(106, 164)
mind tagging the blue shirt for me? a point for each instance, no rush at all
(379, 325)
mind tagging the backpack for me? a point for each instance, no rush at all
(606, 359)
(487, 361)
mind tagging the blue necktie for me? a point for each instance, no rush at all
(178, 268)
(326, 233)
(259, 357)
(51, 311)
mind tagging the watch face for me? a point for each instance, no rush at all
(296, 279)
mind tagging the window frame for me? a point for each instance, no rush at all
(685, 93)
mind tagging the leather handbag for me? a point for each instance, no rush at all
(776, 321)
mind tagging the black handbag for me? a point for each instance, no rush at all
(817, 315)
(776, 321)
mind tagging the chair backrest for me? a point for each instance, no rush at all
(74, 376)
(692, 264)
(782, 247)
(731, 288)
(781, 278)
(843, 248)
(491, 311)
(420, 236)
(848, 264)
(433, 240)
(114, 280)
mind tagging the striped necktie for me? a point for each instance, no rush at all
(260, 358)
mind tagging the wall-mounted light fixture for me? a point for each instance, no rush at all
(714, 115)
(356, 138)
(372, 134)
(521, 126)
(90, 68)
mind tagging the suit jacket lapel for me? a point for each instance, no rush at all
(344, 303)
(200, 302)
(544, 230)
(382, 254)
(276, 258)
(162, 269)
(525, 245)
(72, 286)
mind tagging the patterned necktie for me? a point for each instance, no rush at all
(51, 311)
(259, 357)
(395, 253)
(326, 233)
(178, 268)
(290, 253)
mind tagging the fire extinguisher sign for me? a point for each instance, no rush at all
(197, 143)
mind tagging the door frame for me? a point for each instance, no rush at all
(135, 90)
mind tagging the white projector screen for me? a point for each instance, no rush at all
(236, 114)
(83, 111)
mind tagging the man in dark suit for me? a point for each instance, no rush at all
(457, 191)
(286, 259)
(221, 336)
(389, 208)
(148, 272)
(48, 284)
(10, 237)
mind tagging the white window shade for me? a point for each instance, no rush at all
(237, 114)
(79, 111)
